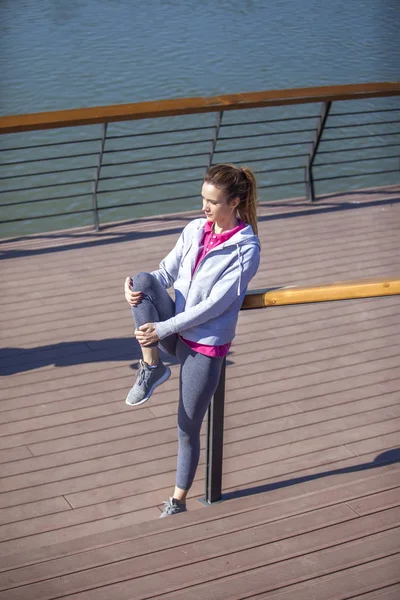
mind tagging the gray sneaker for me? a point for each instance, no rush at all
(172, 507)
(146, 382)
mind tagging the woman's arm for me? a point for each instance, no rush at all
(223, 294)
(169, 267)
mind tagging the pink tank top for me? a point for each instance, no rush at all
(209, 241)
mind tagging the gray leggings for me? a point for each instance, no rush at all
(198, 380)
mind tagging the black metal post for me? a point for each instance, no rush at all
(326, 106)
(214, 141)
(97, 177)
(215, 441)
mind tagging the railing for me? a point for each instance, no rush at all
(58, 169)
(262, 299)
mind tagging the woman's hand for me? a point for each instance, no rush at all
(146, 334)
(133, 298)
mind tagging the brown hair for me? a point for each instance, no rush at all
(237, 182)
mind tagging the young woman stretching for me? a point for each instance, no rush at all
(210, 267)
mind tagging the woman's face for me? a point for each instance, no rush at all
(215, 204)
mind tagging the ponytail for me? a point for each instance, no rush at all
(248, 209)
(237, 183)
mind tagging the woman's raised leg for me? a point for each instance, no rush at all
(155, 305)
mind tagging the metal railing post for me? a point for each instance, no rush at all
(214, 140)
(215, 441)
(97, 177)
(309, 179)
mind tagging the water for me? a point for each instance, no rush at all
(58, 55)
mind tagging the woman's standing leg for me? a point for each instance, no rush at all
(155, 305)
(199, 378)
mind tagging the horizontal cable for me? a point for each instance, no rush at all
(130, 204)
(161, 132)
(46, 172)
(280, 169)
(359, 148)
(150, 185)
(156, 146)
(363, 112)
(267, 121)
(340, 162)
(264, 147)
(360, 124)
(356, 175)
(51, 145)
(253, 135)
(273, 185)
(358, 137)
(35, 200)
(150, 173)
(256, 160)
(49, 185)
(31, 160)
(146, 160)
(64, 214)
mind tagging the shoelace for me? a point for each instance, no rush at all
(170, 508)
(143, 374)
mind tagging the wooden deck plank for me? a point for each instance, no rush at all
(32, 510)
(47, 473)
(75, 297)
(350, 583)
(134, 558)
(122, 453)
(123, 327)
(320, 559)
(104, 510)
(100, 350)
(280, 504)
(298, 427)
(131, 349)
(89, 366)
(87, 379)
(375, 444)
(379, 501)
(240, 587)
(306, 443)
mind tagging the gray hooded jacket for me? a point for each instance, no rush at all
(207, 304)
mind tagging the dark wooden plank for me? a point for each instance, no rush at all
(37, 471)
(379, 501)
(350, 583)
(262, 561)
(33, 510)
(270, 578)
(374, 444)
(387, 593)
(108, 562)
(293, 426)
(91, 360)
(278, 503)
(11, 454)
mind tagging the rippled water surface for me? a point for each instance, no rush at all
(58, 54)
(63, 54)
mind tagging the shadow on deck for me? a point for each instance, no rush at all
(311, 459)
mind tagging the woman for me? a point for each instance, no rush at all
(210, 267)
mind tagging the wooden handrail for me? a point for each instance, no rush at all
(186, 106)
(344, 290)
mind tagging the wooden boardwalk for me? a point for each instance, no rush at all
(311, 458)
